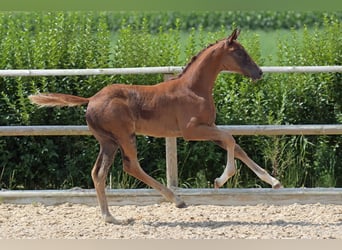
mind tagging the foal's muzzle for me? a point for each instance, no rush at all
(257, 75)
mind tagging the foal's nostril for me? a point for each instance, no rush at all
(257, 74)
(260, 74)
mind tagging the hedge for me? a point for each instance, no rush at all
(83, 40)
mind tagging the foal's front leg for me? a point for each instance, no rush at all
(212, 133)
(226, 141)
(230, 168)
(240, 154)
(260, 172)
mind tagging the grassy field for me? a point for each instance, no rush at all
(268, 41)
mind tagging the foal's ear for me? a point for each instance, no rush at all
(233, 36)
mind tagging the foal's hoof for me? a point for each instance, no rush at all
(181, 204)
(217, 183)
(110, 219)
(277, 186)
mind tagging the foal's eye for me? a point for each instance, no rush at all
(239, 53)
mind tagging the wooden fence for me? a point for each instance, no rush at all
(171, 143)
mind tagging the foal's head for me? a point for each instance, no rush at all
(236, 59)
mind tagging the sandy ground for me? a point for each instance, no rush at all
(164, 221)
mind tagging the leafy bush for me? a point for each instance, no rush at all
(214, 20)
(83, 40)
(50, 40)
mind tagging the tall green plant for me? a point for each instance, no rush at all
(307, 98)
(82, 40)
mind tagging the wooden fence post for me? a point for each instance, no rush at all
(171, 156)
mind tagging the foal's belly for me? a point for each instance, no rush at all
(157, 129)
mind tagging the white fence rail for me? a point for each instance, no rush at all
(154, 70)
(171, 143)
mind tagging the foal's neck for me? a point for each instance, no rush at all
(202, 73)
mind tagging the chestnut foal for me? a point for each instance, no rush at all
(180, 107)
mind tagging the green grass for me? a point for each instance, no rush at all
(268, 44)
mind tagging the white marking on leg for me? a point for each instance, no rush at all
(259, 171)
(229, 170)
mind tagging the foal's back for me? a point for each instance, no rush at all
(150, 109)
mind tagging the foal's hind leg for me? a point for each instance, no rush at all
(132, 167)
(99, 174)
(202, 132)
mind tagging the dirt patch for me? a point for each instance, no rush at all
(165, 221)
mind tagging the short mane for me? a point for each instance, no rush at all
(194, 59)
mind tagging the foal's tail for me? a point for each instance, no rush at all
(54, 99)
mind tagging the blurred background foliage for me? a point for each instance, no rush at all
(49, 40)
